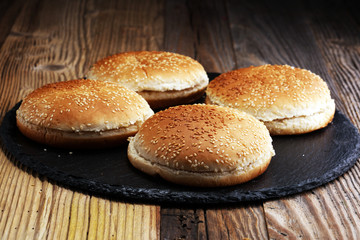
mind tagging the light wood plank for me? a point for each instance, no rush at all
(25, 210)
(9, 199)
(60, 215)
(79, 217)
(126, 221)
(7, 170)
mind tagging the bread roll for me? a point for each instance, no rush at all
(82, 114)
(162, 78)
(202, 145)
(288, 100)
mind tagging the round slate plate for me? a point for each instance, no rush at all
(301, 163)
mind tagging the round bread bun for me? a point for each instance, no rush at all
(288, 100)
(202, 145)
(82, 114)
(162, 78)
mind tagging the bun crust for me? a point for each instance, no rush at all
(82, 114)
(175, 77)
(279, 95)
(202, 145)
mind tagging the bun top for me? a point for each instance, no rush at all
(203, 138)
(150, 71)
(271, 92)
(83, 105)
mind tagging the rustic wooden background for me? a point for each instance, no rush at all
(43, 41)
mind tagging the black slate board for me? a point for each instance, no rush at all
(301, 163)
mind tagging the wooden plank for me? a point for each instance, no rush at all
(270, 33)
(325, 213)
(79, 217)
(30, 53)
(50, 42)
(331, 211)
(183, 223)
(113, 220)
(130, 26)
(214, 48)
(21, 222)
(8, 201)
(241, 222)
(26, 206)
(340, 48)
(202, 32)
(52, 46)
(339, 43)
(9, 11)
(179, 36)
(60, 215)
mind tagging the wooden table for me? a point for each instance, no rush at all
(48, 41)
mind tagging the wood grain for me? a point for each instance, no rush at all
(341, 52)
(202, 32)
(44, 41)
(245, 221)
(130, 26)
(183, 223)
(114, 220)
(326, 213)
(333, 211)
(54, 41)
(270, 34)
(9, 10)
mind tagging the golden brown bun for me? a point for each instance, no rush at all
(202, 145)
(162, 78)
(82, 114)
(288, 100)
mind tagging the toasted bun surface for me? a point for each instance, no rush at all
(162, 78)
(82, 114)
(202, 145)
(288, 100)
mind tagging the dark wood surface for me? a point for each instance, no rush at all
(48, 41)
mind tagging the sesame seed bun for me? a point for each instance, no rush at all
(202, 145)
(162, 78)
(288, 100)
(82, 114)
